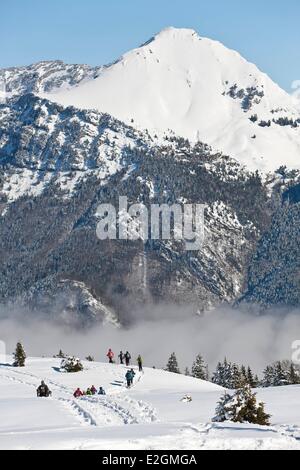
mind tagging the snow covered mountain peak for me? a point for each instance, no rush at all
(170, 32)
(196, 88)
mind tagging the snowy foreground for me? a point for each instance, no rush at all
(148, 416)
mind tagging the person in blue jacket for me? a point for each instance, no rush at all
(101, 391)
(129, 378)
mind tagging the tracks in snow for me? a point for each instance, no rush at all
(92, 410)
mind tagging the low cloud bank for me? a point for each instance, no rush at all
(241, 336)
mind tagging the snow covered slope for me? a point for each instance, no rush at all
(148, 416)
(200, 90)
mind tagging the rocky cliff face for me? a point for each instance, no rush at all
(58, 164)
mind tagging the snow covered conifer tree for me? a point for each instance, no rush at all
(199, 368)
(250, 378)
(223, 409)
(223, 374)
(262, 418)
(244, 408)
(268, 377)
(244, 373)
(172, 365)
(281, 377)
(19, 356)
(218, 375)
(241, 408)
(294, 378)
(237, 379)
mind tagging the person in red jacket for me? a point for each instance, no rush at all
(78, 393)
(110, 356)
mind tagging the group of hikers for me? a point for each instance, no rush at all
(124, 358)
(44, 391)
(90, 391)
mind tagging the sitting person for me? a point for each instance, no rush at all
(88, 392)
(78, 393)
(43, 390)
(93, 390)
(101, 391)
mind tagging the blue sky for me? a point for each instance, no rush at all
(98, 31)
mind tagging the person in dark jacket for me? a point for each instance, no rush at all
(129, 378)
(43, 390)
(140, 363)
(101, 391)
(127, 357)
(121, 357)
(132, 376)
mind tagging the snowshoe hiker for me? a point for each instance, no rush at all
(43, 390)
(129, 378)
(121, 357)
(127, 358)
(78, 393)
(93, 390)
(132, 375)
(110, 356)
(101, 391)
(140, 363)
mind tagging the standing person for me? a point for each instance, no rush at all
(140, 363)
(129, 378)
(110, 356)
(127, 358)
(132, 376)
(121, 357)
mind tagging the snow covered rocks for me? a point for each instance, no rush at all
(71, 364)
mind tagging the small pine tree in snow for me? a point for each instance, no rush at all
(281, 376)
(60, 354)
(244, 408)
(71, 364)
(227, 375)
(244, 373)
(223, 410)
(199, 368)
(262, 418)
(294, 378)
(19, 356)
(250, 378)
(90, 358)
(268, 377)
(237, 378)
(222, 375)
(172, 365)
